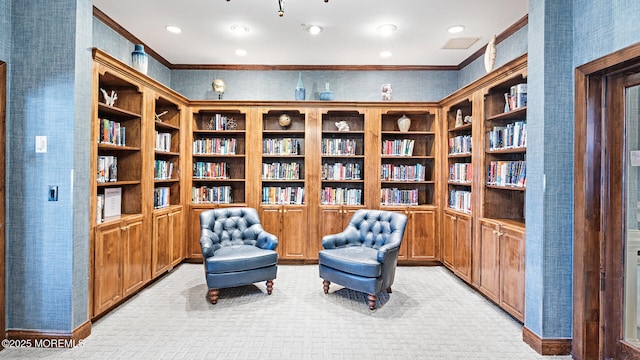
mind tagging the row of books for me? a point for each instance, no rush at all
(460, 200)
(340, 171)
(219, 146)
(283, 195)
(338, 146)
(516, 97)
(219, 122)
(111, 132)
(209, 170)
(162, 170)
(507, 173)
(460, 145)
(108, 204)
(399, 147)
(281, 171)
(461, 172)
(161, 197)
(211, 195)
(284, 146)
(107, 168)
(340, 196)
(508, 137)
(394, 196)
(392, 172)
(163, 141)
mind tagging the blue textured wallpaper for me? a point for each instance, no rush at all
(42, 236)
(549, 207)
(604, 27)
(346, 85)
(5, 30)
(120, 48)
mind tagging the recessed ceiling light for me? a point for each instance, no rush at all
(239, 29)
(241, 52)
(455, 29)
(173, 29)
(386, 29)
(314, 29)
(385, 54)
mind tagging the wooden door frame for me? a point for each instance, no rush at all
(592, 204)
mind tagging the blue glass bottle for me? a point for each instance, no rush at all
(300, 92)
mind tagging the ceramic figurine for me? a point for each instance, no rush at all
(459, 119)
(109, 99)
(342, 126)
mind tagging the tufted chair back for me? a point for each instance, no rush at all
(374, 228)
(230, 226)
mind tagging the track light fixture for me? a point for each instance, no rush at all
(281, 7)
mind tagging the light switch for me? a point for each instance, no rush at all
(41, 144)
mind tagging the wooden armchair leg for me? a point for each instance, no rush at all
(325, 286)
(389, 289)
(213, 295)
(269, 287)
(372, 301)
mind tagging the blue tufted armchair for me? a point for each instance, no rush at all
(236, 249)
(363, 257)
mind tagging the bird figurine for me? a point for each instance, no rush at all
(109, 99)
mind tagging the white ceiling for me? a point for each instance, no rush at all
(349, 36)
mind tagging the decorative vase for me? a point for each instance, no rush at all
(404, 123)
(300, 92)
(139, 59)
(327, 94)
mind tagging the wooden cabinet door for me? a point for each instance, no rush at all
(135, 263)
(423, 245)
(331, 222)
(177, 238)
(462, 252)
(194, 251)
(512, 262)
(160, 247)
(448, 239)
(107, 280)
(489, 260)
(294, 232)
(271, 219)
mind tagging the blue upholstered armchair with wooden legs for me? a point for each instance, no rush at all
(236, 249)
(364, 256)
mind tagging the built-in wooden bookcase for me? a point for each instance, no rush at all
(408, 160)
(407, 171)
(284, 179)
(283, 158)
(118, 134)
(459, 122)
(167, 191)
(342, 159)
(505, 151)
(219, 157)
(499, 253)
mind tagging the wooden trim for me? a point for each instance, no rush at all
(51, 339)
(129, 36)
(546, 346)
(499, 38)
(315, 67)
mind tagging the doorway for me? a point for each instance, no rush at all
(607, 208)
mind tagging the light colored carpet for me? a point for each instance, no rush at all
(431, 314)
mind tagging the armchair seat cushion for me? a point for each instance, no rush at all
(356, 260)
(235, 258)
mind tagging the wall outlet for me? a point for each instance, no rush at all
(53, 192)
